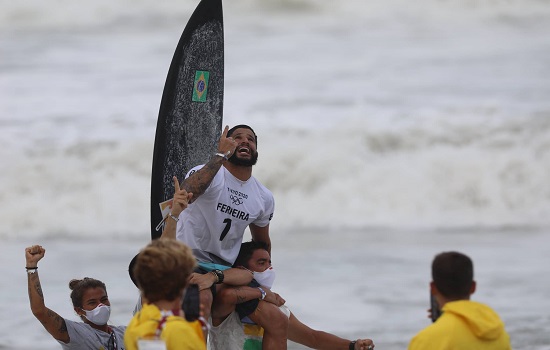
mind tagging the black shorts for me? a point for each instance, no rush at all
(243, 309)
(248, 307)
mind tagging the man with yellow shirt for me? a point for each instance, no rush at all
(463, 324)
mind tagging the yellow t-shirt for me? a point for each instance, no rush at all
(177, 333)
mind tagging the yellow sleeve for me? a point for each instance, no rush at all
(130, 338)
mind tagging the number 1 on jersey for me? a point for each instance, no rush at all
(227, 223)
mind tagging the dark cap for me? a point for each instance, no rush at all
(131, 269)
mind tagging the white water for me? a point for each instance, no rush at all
(382, 126)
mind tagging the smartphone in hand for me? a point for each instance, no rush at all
(435, 311)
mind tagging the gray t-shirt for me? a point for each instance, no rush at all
(84, 337)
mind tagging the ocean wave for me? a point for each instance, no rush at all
(104, 14)
(370, 114)
(468, 176)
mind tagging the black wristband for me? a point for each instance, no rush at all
(352, 345)
(31, 268)
(219, 275)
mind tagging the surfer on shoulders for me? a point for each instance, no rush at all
(90, 302)
(224, 199)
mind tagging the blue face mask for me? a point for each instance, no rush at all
(266, 278)
(100, 315)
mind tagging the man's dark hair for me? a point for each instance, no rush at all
(242, 126)
(453, 274)
(247, 249)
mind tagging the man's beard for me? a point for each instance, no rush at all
(244, 162)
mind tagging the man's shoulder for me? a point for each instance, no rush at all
(439, 333)
(194, 170)
(427, 331)
(262, 188)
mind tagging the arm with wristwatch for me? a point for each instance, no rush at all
(239, 293)
(227, 298)
(238, 279)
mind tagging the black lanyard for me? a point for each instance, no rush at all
(111, 343)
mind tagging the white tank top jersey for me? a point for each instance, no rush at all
(213, 225)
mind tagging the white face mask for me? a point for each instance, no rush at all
(266, 278)
(100, 315)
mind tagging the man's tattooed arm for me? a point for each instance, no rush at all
(199, 181)
(242, 294)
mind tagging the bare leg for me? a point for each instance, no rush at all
(274, 323)
(223, 305)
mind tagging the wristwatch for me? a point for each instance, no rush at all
(263, 293)
(219, 275)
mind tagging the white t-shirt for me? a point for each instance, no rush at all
(214, 224)
(84, 337)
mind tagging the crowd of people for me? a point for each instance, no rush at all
(201, 248)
